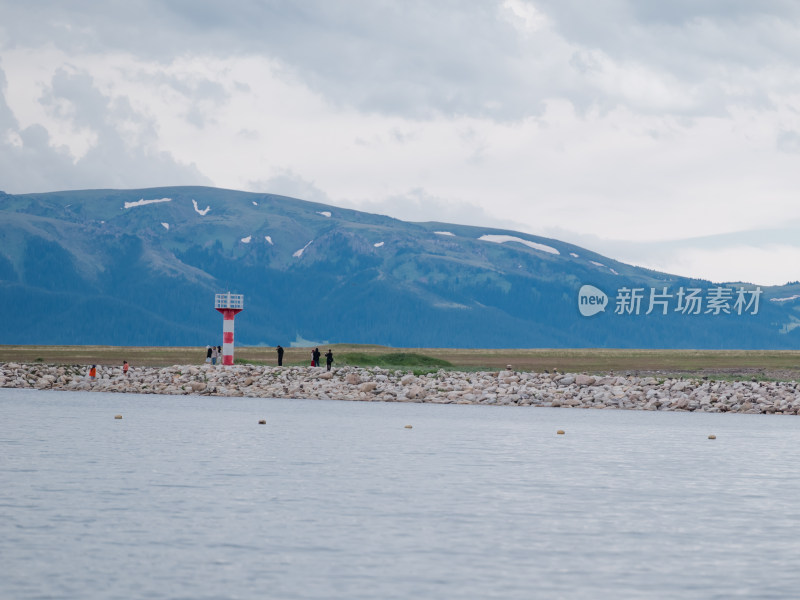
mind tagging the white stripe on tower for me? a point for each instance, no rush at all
(227, 337)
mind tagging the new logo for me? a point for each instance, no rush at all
(591, 300)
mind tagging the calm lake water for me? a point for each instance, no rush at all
(189, 497)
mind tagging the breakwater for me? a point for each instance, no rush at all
(505, 388)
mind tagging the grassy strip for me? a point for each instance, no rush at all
(413, 361)
(418, 363)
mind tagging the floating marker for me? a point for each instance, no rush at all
(560, 432)
(409, 427)
(262, 422)
(712, 437)
(117, 416)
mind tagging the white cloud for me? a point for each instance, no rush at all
(767, 265)
(524, 15)
(765, 257)
(75, 132)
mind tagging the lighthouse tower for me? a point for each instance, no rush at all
(228, 304)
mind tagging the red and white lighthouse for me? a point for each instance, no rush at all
(229, 305)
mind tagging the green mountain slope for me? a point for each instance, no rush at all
(141, 267)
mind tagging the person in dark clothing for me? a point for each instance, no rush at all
(315, 356)
(329, 358)
(280, 355)
(208, 354)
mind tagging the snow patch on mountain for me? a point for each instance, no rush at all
(144, 202)
(795, 297)
(500, 239)
(246, 240)
(324, 213)
(574, 255)
(378, 245)
(299, 253)
(444, 233)
(269, 240)
(203, 212)
(599, 264)
(165, 226)
(451, 305)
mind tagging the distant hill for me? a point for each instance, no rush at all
(140, 267)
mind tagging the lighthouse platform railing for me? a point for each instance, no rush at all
(228, 300)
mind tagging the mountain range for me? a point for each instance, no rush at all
(141, 267)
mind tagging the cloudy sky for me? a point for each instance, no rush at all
(663, 134)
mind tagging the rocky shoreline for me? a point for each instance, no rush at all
(503, 388)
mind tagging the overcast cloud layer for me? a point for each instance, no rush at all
(665, 134)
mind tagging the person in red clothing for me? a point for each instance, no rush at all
(93, 372)
(124, 367)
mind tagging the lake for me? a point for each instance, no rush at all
(189, 497)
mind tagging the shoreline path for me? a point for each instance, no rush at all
(502, 388)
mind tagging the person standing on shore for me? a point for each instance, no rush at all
(93, 372)
(214, 355)
(125, 367)
(315, 357)
(280, 355)
(208, 354)
(329, 358)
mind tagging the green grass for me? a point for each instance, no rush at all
(246, 361)
(419, 363)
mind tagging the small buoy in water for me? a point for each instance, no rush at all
(117, 416)
(712, 437)
(262, 422)
(560, 432)
(409, 427)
